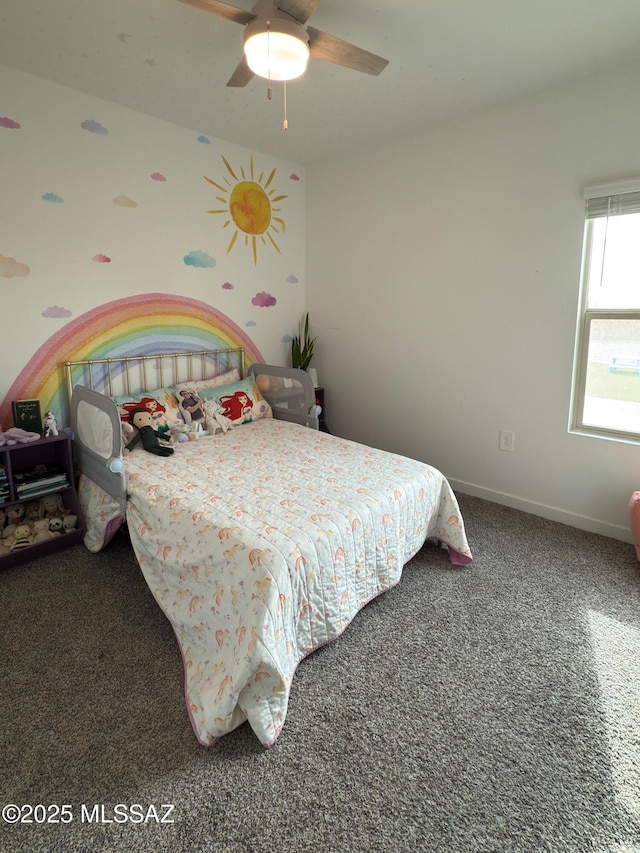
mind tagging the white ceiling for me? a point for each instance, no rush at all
(447, 57)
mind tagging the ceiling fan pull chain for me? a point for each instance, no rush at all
(269, 90)
(285, 123)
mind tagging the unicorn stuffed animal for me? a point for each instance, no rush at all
(49, 424)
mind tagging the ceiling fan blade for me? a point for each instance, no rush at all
(301, 10)
(224, 10)
(242, 75)
(332, 49)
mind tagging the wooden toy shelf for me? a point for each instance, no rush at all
(54, 450)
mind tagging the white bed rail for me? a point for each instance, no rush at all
(289, 391)
(98, 443)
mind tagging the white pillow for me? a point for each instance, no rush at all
(214, 382)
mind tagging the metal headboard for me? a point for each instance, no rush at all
(128, 374)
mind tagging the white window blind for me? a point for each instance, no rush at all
(613, 199)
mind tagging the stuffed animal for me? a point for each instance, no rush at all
(41, 532)
(52, 505)
(55, 525)
(182, 433)
(5, 542)
(7, 535)
(128, 433)
(22, 537)
(32, 511)
(15, 514)
(14, 517)
(49, 424)
(214, 418)
(141, 419)
(69, 523)
(15, 435)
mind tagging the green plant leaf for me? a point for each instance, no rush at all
(302, 345)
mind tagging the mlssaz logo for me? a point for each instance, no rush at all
(127, 813)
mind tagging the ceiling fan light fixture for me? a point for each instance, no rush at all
(276, 49)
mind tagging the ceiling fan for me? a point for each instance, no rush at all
(277, 41)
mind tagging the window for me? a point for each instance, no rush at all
(606, 380)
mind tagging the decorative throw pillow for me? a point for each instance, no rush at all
(120, 401)
(167, 397)
(191, 405)
(161, 403)
(241, 402)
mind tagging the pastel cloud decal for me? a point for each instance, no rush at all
(204, 140)
(55, 312)
(294, 177)
(52, 197)
(93, 126)
(263, 300)
(250, 323)
(101, 259)
(199, 259)
(286, 339)
(227, 286)
(293, 279)
(5, 121)
(156, 176)
(124, 201)
(10, 268)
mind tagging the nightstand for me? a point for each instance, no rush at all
(320, 402)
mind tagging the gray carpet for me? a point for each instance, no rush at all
(490, 708)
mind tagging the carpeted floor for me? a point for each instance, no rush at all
(490, 708)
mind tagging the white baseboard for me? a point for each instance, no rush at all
(582, 522)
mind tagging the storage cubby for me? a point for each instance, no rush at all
(54, 451)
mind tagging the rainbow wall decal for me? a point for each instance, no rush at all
(138, 325)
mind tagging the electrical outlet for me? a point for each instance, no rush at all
(507, 440)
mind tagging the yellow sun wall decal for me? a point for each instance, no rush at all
(250, 205)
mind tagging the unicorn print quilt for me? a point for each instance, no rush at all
(262, 544)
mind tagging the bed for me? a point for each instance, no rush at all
(260, 541)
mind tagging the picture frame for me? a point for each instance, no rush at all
(27, 415)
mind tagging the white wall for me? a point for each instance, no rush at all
(443, 275)
(84, 179)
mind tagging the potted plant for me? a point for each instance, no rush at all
(302, 345)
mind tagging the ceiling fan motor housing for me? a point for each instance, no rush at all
(276, 47)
